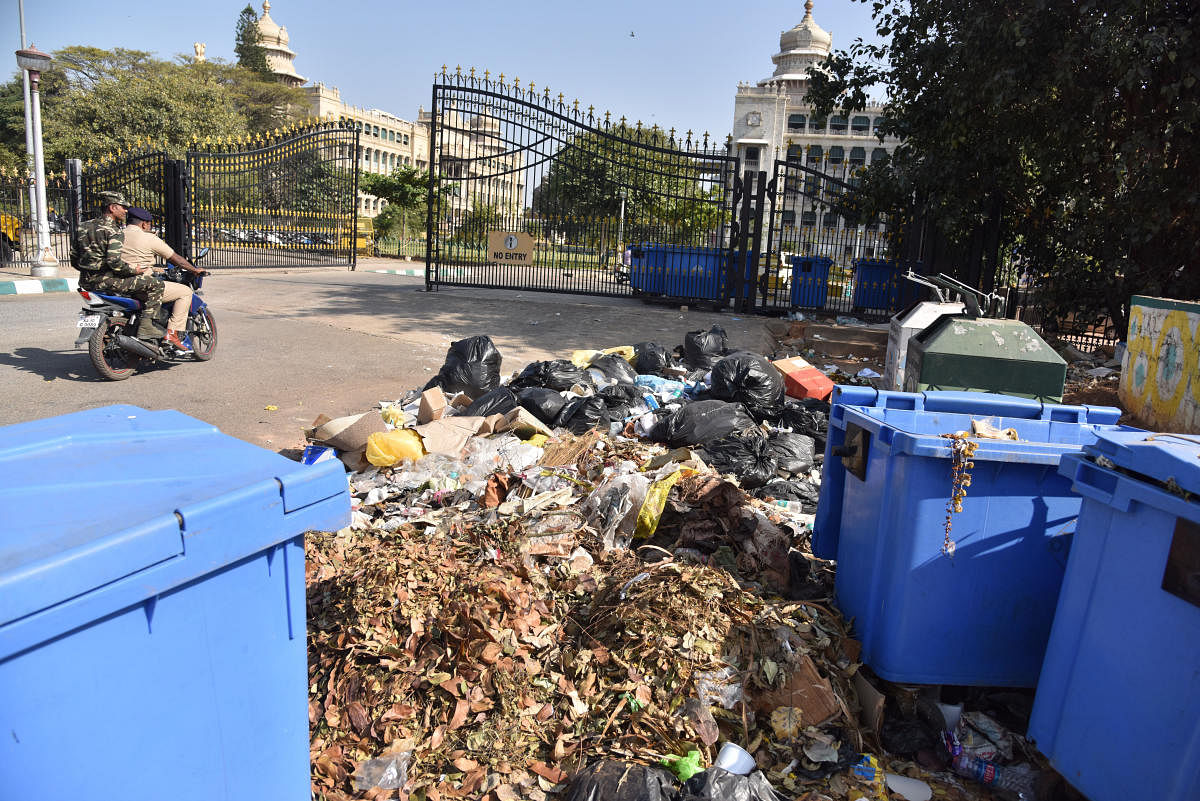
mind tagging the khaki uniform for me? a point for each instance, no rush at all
(140, 249)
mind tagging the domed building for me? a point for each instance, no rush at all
(274, 40)
(771, 119)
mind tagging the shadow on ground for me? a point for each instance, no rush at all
(52, 365)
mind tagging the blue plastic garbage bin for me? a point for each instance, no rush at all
(876, 284)
(1117, 709)
(810, 281)
(152, 609)
(982, 615)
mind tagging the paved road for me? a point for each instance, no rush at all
(319, 341)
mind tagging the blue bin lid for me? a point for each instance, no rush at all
(1159, 457)
(95, 497)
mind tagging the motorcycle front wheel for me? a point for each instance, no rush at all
(203, 335)
(111, 361)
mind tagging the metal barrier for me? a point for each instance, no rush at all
(18, 238)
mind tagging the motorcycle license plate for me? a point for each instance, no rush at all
(89, 321)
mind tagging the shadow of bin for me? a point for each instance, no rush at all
(152, 609)
(810, 281)
(1124, 653)
(981, 616)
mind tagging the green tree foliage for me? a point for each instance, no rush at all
(96, 102)
(666, 199)
(1075, 121)
(248, 44)
(406, 191)
(474, 225)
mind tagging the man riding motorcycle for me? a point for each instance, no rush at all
(97, 256)
(139, 250)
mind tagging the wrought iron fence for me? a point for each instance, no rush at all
(823, 252)
(1087, 334)
(286, 201)
(593, 203)
(18, 239)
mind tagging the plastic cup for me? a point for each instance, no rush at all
(735, 759)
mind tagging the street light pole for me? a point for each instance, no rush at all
(33, 61)
(28, 121)
(621, 225)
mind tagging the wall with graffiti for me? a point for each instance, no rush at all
(1160, 372)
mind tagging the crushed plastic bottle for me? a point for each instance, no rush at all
(1017, 779)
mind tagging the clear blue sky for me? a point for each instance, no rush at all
(680, 68)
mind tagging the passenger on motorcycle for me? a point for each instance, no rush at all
(141, 246)
(97, 256)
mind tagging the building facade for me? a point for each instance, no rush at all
(389, 141)
(772, 120)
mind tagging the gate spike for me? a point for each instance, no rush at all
(487, 75)
(576, 104)
(471, 73)
(591, 111)
(560, 98)
(532, 86)
(516, 82)
(458, 70)
(501, 78)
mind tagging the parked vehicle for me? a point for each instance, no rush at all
(107, 324)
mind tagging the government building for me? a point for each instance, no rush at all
(771, 119)
(389, 141)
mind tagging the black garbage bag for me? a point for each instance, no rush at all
(619, 398)
(609, 780)
(847, 757)
(794, 489)
(794, 452)
(472, 366)
(746, 454)
(750, 380)
(702, 348)
(615, 368)
(650, 358)
(500, 400)
(809, 417)
(718, 784)
(582, 415)
(542, 403)
(704, 421)
(558, 374)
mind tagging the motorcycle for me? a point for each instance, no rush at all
(107, 323)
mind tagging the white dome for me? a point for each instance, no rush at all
(807, 37)
(271, 31)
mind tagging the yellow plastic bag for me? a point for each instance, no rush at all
(582, 358)
(652, 507)
(538, 440)
(386, 448)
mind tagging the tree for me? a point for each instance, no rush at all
(248, 44)
(1074, 121)
(665, 194)
(406, 191)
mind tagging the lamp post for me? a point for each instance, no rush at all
(621, 225)
(33, 61)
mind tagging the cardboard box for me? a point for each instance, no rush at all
(433, 406)
(802, 380)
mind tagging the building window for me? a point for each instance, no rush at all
(795, 153)
(808, 218)
(816, 124)
(877, 154)
(877, 124)
(788, 218)
(391, 136)
(837, 124)
(406, 139)
(752, 153)
(795, 122)
(858, 156)
(830, 220)
(860, 125)
(814, 154)
(836, 154)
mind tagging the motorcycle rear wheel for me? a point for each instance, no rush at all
(111, 361)
(203, 335)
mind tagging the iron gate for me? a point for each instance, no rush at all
(822, 252)
(290, 200)
(285, 200)
(589, 204)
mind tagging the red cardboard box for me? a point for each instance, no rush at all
(802, 380)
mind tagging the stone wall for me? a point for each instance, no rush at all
(1160, 372)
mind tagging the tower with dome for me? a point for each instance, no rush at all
(274, 40)
(771, 118)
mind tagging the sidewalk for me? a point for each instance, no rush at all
(15, 279)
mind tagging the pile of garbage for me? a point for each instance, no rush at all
(591, 579)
